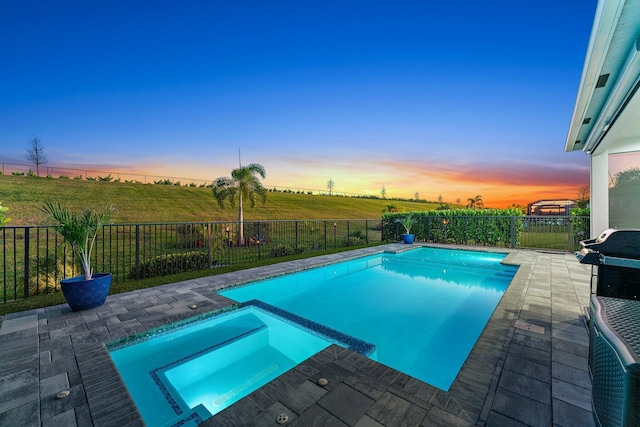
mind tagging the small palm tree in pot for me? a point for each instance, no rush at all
(407, 221)
(80, 231)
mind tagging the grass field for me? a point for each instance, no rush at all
(151, 203)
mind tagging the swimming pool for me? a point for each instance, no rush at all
(188, 373)
(423, 309)
(418, 311)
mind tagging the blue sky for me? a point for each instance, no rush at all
(441, 98)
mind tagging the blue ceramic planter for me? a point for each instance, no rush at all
(86, 294)
(408, 238)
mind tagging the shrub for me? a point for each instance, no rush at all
(17, 173)
(46, 272)
(281, 250)
(77, 178)
(190, 236)
(580, 224)
(355, 238)
(164, 265)
(257, 232)
(355, 241)
(107, 178)
(63, 177)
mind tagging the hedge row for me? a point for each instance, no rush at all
(580, 224)
(488, 227)
(172, 264)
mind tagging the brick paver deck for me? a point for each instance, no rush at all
(528, 368)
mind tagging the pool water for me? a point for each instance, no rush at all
(423, 309)
(198, 370)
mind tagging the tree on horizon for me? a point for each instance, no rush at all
(243, 184)
(475, 202)
(584, 195)
(35, 153)
(330, 185)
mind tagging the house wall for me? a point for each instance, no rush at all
(599, 192)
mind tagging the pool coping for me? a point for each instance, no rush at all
(69, 353)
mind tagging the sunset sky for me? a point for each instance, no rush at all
(458, 98)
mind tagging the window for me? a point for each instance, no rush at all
(624, 190)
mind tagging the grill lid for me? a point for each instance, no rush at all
(614, 243)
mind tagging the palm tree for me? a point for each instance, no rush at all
(471, 202)
(243, 184)
(475, 202)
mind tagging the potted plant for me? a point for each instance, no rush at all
(80, 230)
(407, 222)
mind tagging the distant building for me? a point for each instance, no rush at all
(550, 207)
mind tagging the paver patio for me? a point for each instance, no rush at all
(528, 368)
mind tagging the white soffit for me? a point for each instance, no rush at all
(613, 56)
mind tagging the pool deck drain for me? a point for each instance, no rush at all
(528, 368)
(529, 327)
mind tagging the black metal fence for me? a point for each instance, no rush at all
(34, 259)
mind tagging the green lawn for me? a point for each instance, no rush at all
(148, 203)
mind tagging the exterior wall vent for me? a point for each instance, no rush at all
(602, 80)
(586, 121)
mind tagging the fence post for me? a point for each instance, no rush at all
(26, 261)
(325, 235)
(513, 231)
(209, 254)
(258, 240)
(296, 236)
(366, 231)
(570, 234)
(137, 251)
(348, 233)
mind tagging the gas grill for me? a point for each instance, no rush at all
(614, 326)
(615, 259)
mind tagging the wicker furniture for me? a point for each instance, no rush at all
(614, 362)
